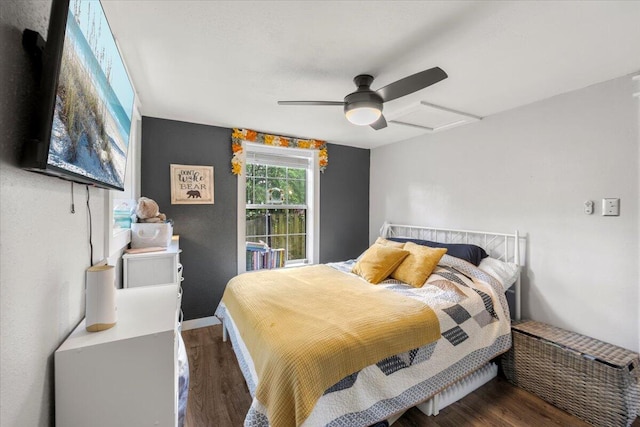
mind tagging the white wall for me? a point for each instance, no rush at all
(44, 249)
(531, 169)
(636, 94)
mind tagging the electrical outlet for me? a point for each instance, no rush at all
(588, 207)
(610, 207)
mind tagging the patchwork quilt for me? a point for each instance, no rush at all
(475, 327)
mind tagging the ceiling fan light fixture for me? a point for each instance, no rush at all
(363, 113)
(364, 106)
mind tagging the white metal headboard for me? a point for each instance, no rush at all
(505, 247)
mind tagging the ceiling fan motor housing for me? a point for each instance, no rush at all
(363, 97)
(368, 99)
(363, 107)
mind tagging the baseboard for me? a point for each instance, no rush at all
(200, 323)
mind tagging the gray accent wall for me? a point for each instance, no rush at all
(207, 232)
(208, 236)
(344, 204)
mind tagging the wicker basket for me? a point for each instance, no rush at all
(593, 380)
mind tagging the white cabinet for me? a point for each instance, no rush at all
(126, 375)
(153, 268)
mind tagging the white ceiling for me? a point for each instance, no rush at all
(227, 63)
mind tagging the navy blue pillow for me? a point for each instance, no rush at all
(471, 253)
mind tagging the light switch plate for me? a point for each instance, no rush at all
(610, 207)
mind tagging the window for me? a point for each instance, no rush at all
(117, 238)
(276, 208)
(278, 196)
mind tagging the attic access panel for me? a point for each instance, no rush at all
(431, 117)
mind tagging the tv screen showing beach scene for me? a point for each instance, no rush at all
(94, 100)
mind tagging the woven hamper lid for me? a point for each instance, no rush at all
(590, 347)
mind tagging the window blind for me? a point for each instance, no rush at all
(271, 159)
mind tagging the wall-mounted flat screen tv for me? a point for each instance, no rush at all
(86, 100)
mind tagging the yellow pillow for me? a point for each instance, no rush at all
(385, 242)
(378, 262)
(418, 265)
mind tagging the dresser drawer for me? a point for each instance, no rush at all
(152, 268)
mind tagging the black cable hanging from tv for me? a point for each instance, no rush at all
(73, 203)
(90, 230)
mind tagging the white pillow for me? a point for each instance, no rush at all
(505, 272)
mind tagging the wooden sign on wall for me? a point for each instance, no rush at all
(191, 185)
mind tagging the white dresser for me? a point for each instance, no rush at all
(126, 375)
(153, 268)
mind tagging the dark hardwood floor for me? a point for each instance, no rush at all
(218, 395)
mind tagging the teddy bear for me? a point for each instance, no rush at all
(148, 211)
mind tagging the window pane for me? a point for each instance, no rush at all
(259, 170)
(279, 242)
(250, 186)
(276, 172)
(256, 223)
(297, 221)
(297, 174)
(249, 169)
(296, 192)
(276, 182)
(260, 191)
(277, 221)
(297, 246)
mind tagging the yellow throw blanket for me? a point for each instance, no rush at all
(307, 328)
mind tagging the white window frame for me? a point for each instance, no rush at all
(117, 239)
(313, 200)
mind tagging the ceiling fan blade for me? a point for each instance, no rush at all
(340, 103)
(411, 84)
(381, 123)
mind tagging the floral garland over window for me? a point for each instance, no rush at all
(240, 135)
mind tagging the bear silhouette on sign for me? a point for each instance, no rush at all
(193, 194)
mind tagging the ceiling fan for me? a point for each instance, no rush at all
(364, 106)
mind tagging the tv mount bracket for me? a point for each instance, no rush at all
(34, 44)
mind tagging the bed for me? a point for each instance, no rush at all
(473, 321)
